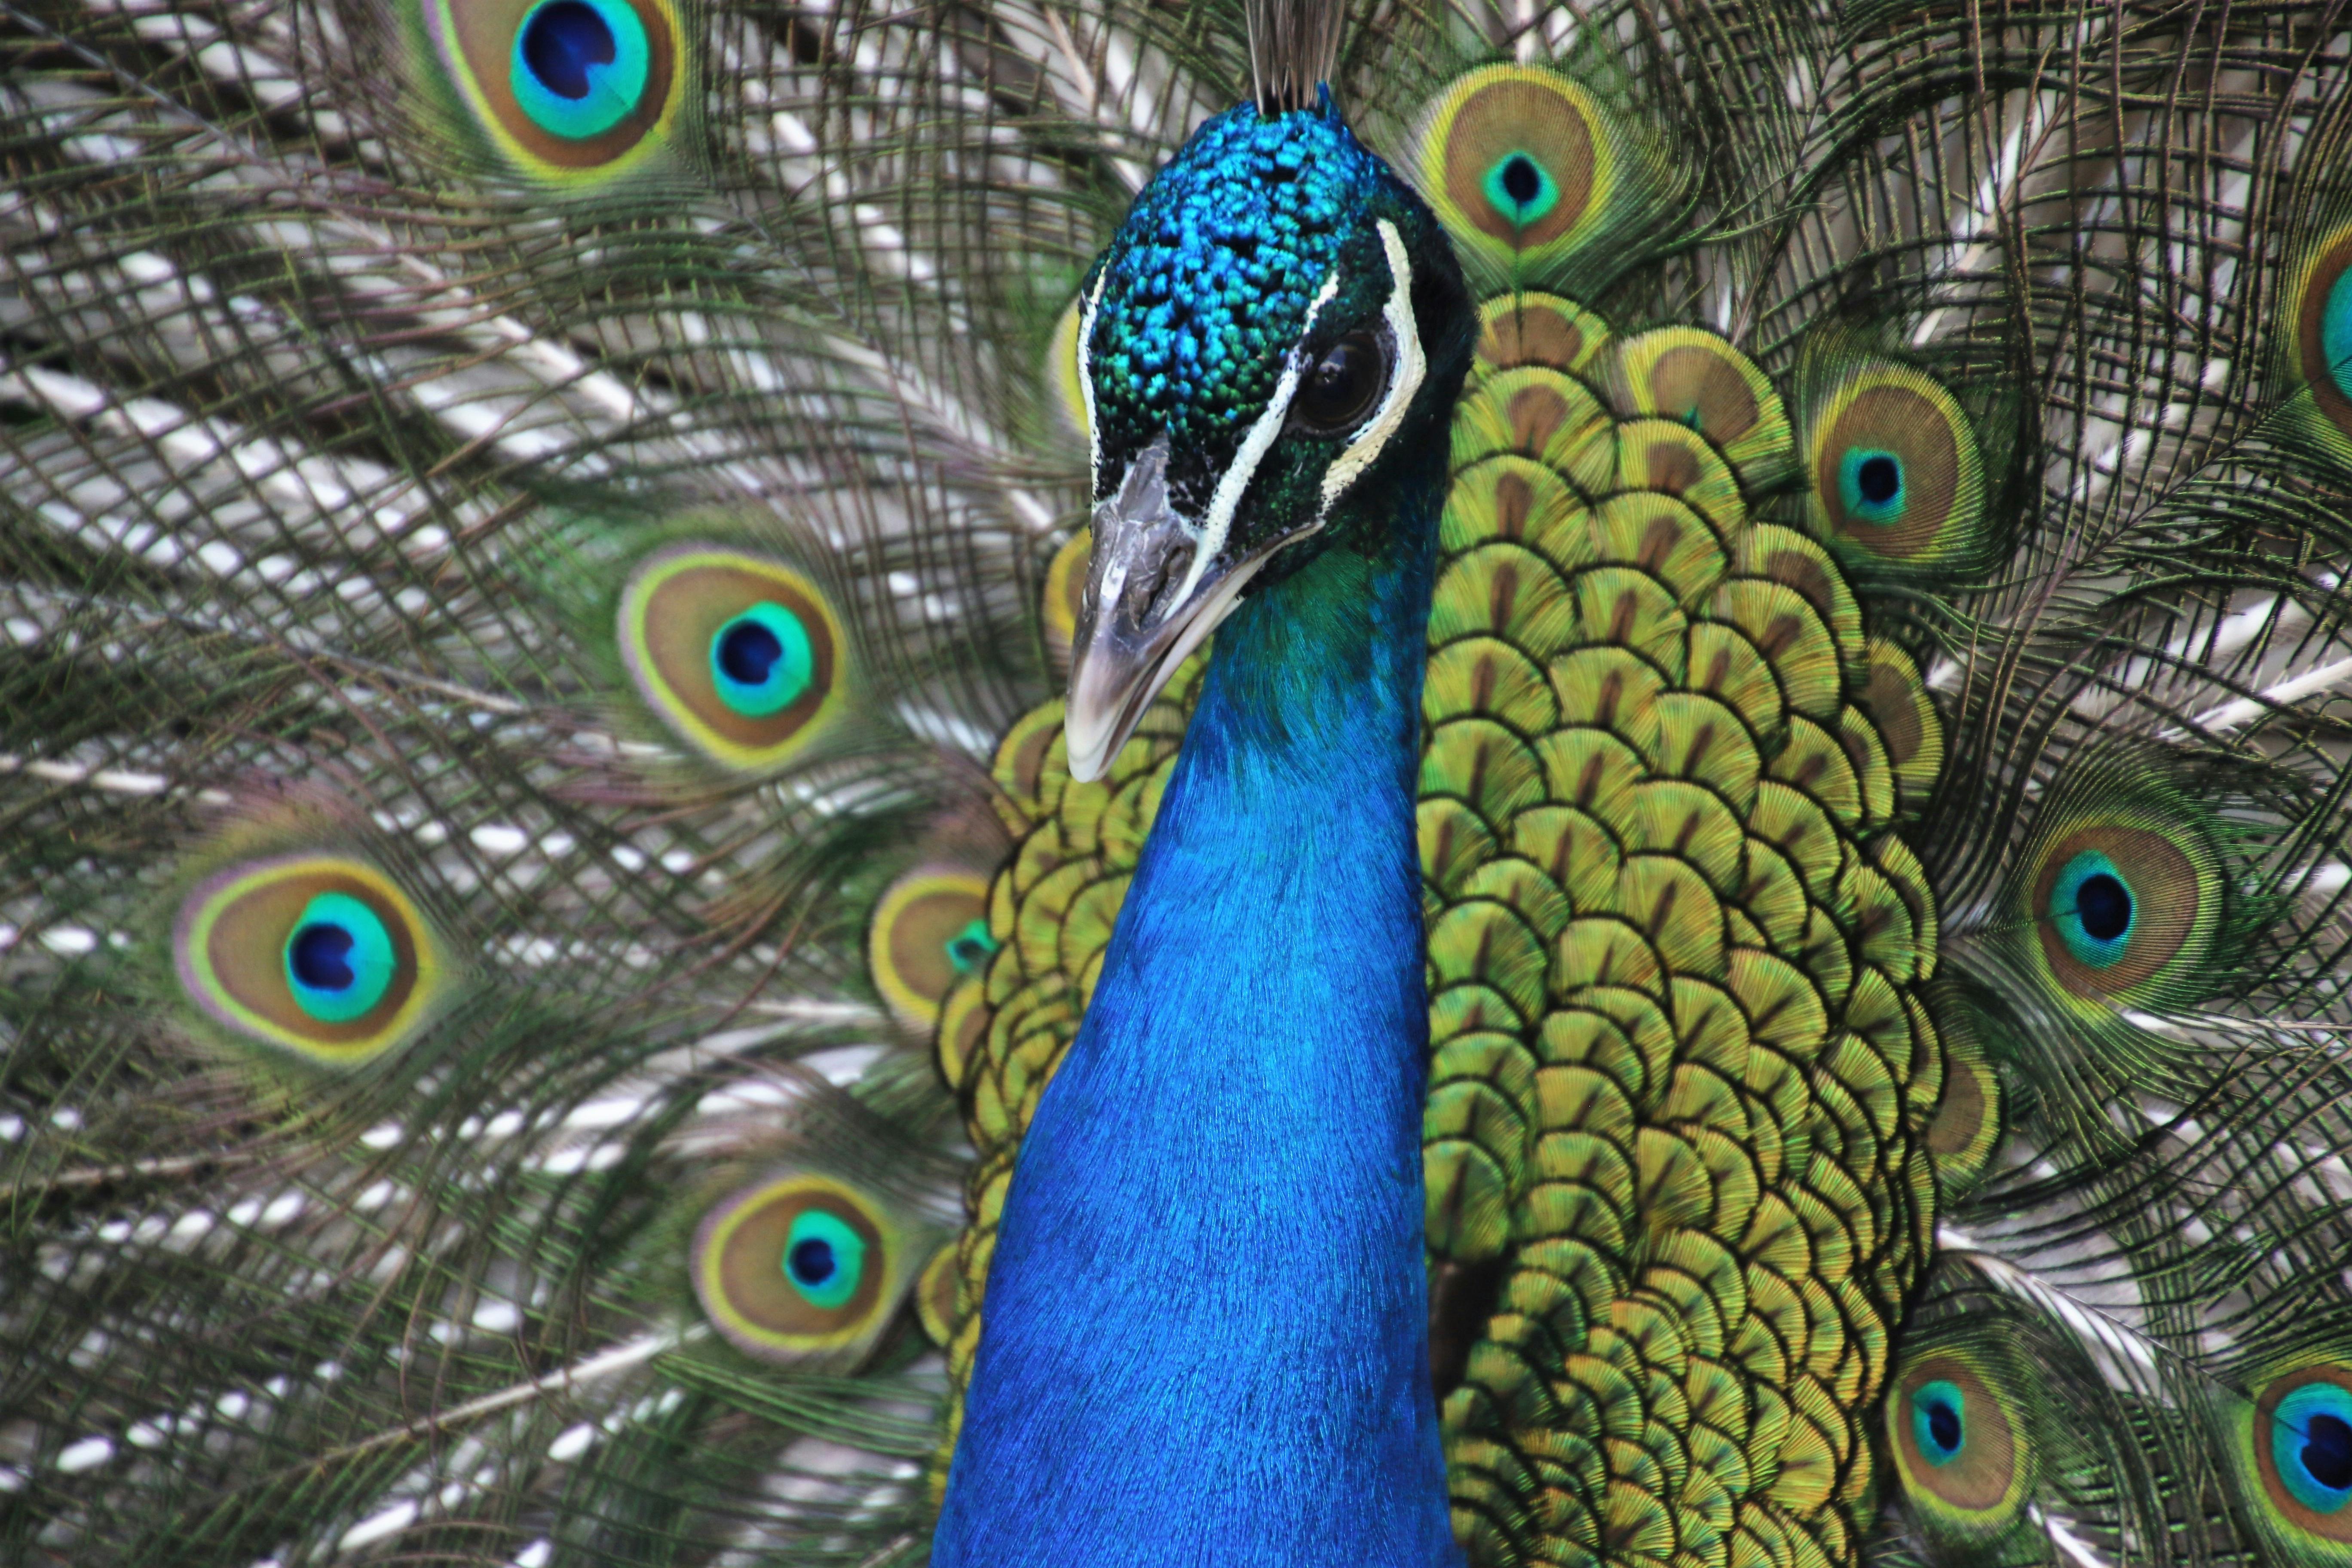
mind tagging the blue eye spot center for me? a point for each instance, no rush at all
(339, 959)
(2336, 331)
(812, 1262)
(825, 1260)
(970, 947)
(1944, 1425)
(2311, 1445)
(1520, 188)
(579, 68)
(2328, 1452)
(1939, 1426)
(748, 651)
(1880, 479)
(2092, 911)
(320, 957)
(560, 41)
(762, 660)
(1869, 486)
(2104, 907)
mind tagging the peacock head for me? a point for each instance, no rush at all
(1278, 320)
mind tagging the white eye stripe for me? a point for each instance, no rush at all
(1217, 523)
(1410, 366)
(1086, 385)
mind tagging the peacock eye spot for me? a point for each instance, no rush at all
(319, 955)
(762, 660)
(562, 41)
(970, 947)
(1880, 479)
(2308, 1453)
(812, 1262)
(1872, 485)
(338, 959)
(2092, 911)
(748, 651)
(823, 1258)
(2335, 331)
(795, 1265)
(2328, 1452)
(2104, 907)
(1340, 390)
(1944, 1425)
(1520, 190)
(1936, 1423)
(578, 68)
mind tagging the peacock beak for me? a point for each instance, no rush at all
(1149, 602)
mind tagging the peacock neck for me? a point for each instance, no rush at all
(1205, 1333)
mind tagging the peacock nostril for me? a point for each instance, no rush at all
(320, 957)
(562, 41)
(748, 651)
(1880, 479)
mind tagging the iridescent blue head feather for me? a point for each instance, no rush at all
(1207, 286)
(1278, 314)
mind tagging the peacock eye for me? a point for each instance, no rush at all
(1938, 1424)
(970, 947)
(1878, 479)
(321, 954)
(1341, 389)
(739, 655)
(339, 960)
(2305, 1462)
(2092, 909)
(825, 1259)
(1963, 1450)
(580, 69)
(797, 1265)
(761, 661)
(930, 928)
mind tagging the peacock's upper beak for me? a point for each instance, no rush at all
(1148, 605)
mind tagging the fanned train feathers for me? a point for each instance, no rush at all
(542, 884)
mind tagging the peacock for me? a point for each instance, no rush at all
(1501, 783)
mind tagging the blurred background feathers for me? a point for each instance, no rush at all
(371, 400)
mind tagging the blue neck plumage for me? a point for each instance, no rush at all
(1205, 1334)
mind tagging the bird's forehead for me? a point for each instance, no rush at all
(1210, 280)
